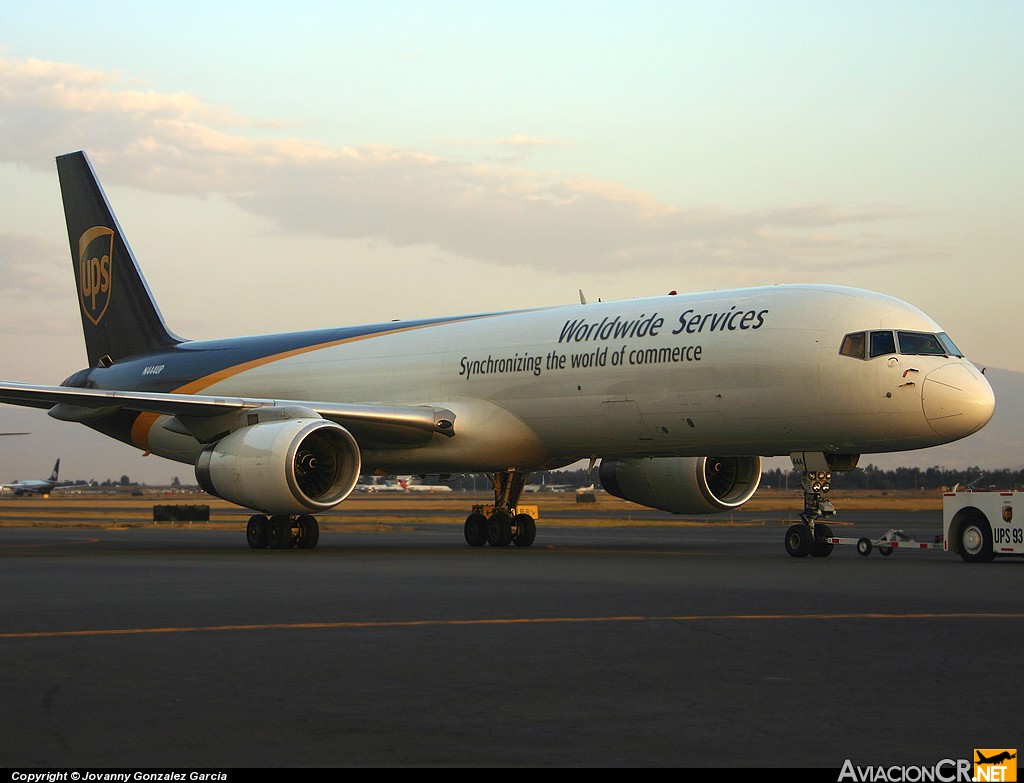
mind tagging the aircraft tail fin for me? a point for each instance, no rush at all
(120, 317)
(56, 470)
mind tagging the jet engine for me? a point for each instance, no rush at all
(293, 466)
(683, 485)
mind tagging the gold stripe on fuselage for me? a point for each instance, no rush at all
(144, 422)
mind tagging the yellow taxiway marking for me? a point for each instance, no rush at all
(518, 621)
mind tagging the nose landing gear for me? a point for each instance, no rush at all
(811, 536)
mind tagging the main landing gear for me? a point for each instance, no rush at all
(505, 522)
(282, 531)
(812, 537)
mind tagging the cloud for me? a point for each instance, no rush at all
(500, 214)
(31, 267)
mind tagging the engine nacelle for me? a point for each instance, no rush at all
(683, 485)
(293, 466)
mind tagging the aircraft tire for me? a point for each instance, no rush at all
(309, 532)
(256, 531)
(526, 530)
(279, 532)
(475, 529)
(822, 548)
(799, 541)
(499, 529)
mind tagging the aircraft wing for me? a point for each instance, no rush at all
(373, 425)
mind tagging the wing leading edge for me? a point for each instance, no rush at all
(391, 426)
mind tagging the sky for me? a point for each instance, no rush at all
(282, 166)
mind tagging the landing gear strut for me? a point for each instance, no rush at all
(506, 522)
(282, 531)
(811, 536)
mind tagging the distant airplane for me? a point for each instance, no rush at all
(401, 484)
(34, 486)
(380, 485)
(413, 484)
(679, 397)
(545, 487)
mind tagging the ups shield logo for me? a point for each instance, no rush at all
(95, 268)
(1007, 513)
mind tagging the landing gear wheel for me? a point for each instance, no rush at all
(476, 529)
(499, 529)
(976, 541)
(799, 541)
(526, 530)
(279, 532)
(309, 532)
(820, 547)
(256, 531)
(864, 546)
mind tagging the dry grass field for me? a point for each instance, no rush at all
(395, 509)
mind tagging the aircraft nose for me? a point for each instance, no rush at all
(957, 400)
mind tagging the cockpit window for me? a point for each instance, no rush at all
(853, 345)
(883, 343)
(951, 349)
(920, 343)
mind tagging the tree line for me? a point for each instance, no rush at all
(869, 477)
(928, 479)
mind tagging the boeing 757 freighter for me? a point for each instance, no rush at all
(679, 397)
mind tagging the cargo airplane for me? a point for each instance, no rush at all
(679, 397)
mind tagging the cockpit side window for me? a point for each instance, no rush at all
(853, 345)
(951, 349)
(882, 343)
(920, 343)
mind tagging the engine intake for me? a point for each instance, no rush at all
(683, 485)
(293, 466)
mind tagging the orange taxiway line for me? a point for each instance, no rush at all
(517, 621)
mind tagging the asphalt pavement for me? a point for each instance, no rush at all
(653, 646)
